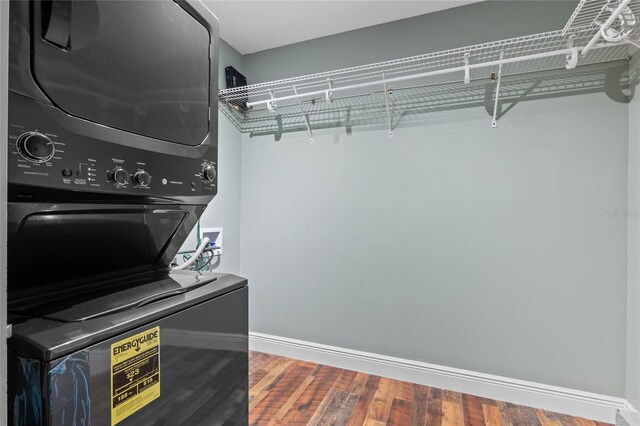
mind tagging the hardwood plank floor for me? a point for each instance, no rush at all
(284, 391)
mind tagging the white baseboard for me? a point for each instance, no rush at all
(630, 416)
(593, 406)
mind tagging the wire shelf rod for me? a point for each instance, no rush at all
(533, 39)
(462, 68)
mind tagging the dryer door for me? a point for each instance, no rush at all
(137, 66)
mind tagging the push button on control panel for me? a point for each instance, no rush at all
(82, 170)
(118, 177)
(35, 147)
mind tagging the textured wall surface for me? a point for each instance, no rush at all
(493, 250)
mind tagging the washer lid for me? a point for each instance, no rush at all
(89, 306)
(47, 339)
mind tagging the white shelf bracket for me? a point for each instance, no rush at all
(494, 121)
(627, 21)
(467, 70)
(621, 12)
(348, 120)
(572, 58)
(329, 93)
(304, 116)
(387, 92)
(272, 105)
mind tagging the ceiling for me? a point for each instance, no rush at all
(252, 26)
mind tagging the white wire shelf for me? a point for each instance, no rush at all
(599, 31)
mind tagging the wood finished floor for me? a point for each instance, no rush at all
(284, 391)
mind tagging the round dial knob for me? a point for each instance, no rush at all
(35, 147)
(208, 172)
(119, 177)
(141, 179)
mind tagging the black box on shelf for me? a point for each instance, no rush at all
(236, 79)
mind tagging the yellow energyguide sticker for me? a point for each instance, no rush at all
(135, 373)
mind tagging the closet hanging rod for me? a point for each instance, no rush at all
(567, 51)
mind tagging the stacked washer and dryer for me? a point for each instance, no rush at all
(112, 156)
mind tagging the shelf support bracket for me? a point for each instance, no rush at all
(494, 121)
(329, 93)
(304, 116)
(622, 6)
(572, 58)
(348, 121)
(386, 101)
(467, 71)
(272, 105)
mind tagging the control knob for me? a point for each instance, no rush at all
(141, 179)
(119, 177)
(209, 172)
(35, 147)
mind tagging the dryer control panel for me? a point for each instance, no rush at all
(45, 151)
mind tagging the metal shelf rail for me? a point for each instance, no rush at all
(598, 31)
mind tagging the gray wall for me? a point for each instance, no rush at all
(224, 210)
(451, 243)
(633, 278)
